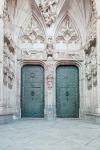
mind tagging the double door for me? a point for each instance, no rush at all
(67, 91)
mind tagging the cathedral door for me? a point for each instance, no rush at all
(32, 94)
(67, 93)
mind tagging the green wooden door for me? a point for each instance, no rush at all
(67, 92)
(32, 103)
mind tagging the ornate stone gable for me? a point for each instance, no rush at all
(67, 32)
(32, 34)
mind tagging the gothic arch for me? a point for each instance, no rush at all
(71, 21)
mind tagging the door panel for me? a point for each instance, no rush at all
(67, 91)
(32, 91)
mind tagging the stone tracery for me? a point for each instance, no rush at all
(68, 31)
(32, 34)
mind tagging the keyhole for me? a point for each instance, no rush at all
(32, 93)
(67, 93)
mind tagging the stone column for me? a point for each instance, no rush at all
(82, 90)
(50, 107)
(98, 54)
(18, 88)
(1, 53)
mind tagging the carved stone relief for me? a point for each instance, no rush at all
(5, 69)
(91, 64)
(9, 64)
(48, 10)
(91, 34)
(7, 18)
(50, 81)
(68, 32)
(88, 72)
(32, 34)
(49, 47)
(50, 70)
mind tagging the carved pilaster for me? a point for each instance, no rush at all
(8, 64)
(91, 63)
(50, 107)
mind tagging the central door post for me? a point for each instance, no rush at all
(50, 107)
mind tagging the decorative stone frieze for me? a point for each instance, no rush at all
(48, 10)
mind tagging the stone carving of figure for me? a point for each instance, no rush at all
(94, 65)
(88, 73)
(48, 10)
(11, 73)
(94, 61)
(88, 68)
(49, 47)
(50, 81)
(9, 66)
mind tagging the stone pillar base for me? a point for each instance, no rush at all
(94, 118)
(6, 119)
(50, 113)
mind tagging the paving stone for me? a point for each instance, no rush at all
(61, 134)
